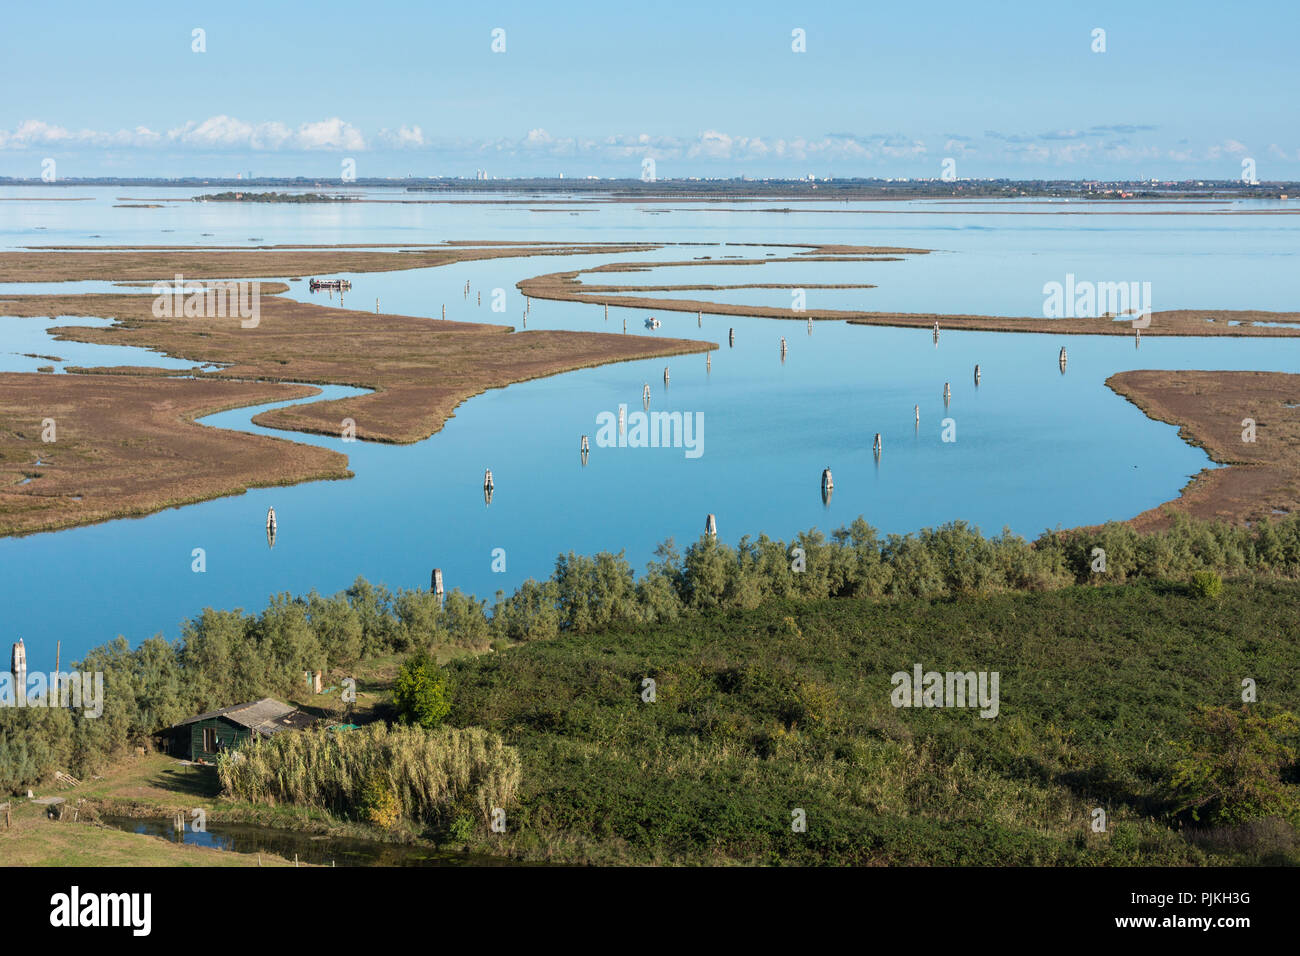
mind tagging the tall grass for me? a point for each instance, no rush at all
(433, 775)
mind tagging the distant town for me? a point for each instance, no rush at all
(809, 188)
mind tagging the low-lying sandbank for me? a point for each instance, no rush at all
(127, 445)
(161, 263)
(569, 287)
(126, 442)
(1262, 479)
(419, 369)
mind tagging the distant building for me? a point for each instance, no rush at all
(207, 736)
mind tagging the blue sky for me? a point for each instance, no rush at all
(1183, 90)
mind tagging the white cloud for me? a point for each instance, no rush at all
(404, 137)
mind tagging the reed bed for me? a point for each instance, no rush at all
(433, 774)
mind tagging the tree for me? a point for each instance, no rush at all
(420, 692)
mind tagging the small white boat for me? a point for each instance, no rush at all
(652, 323)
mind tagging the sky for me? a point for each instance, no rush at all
(1185, 90)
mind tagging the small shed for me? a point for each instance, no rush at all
(206, 736)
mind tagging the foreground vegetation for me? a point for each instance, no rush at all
(763, 711)
(688, 714)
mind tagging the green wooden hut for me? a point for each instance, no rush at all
(205, 736)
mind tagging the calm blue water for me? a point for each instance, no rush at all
(1035, 448)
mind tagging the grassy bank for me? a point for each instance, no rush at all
(35, 840)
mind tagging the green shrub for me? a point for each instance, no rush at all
(1232, 770)
(1207, 584)
(420, 692)
(378, 803)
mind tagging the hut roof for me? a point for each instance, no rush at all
(266, 716)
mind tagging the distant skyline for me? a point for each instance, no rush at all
(1182, 90)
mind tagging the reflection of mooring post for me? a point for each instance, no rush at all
(731, 336)
(622, 419)
(435, 584)
(480, 298)
(810, 325)
(711, 526)
(585, 446)
(270, 527)
(947, 393)
(1137, 338)
(977, 375)
(1063, 358)
(665, 374)
(936, 333)
(645, 395)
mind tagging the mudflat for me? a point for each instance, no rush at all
(419, 369)
(1262, 479)
(76, 449)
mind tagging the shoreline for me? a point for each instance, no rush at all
(568, 287)
(418, 372)
(129, 445)
(1261, 479)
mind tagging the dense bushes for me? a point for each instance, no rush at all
(789, 705)
(377, 773)
(227, 657)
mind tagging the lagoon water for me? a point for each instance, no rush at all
(1035, 448)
